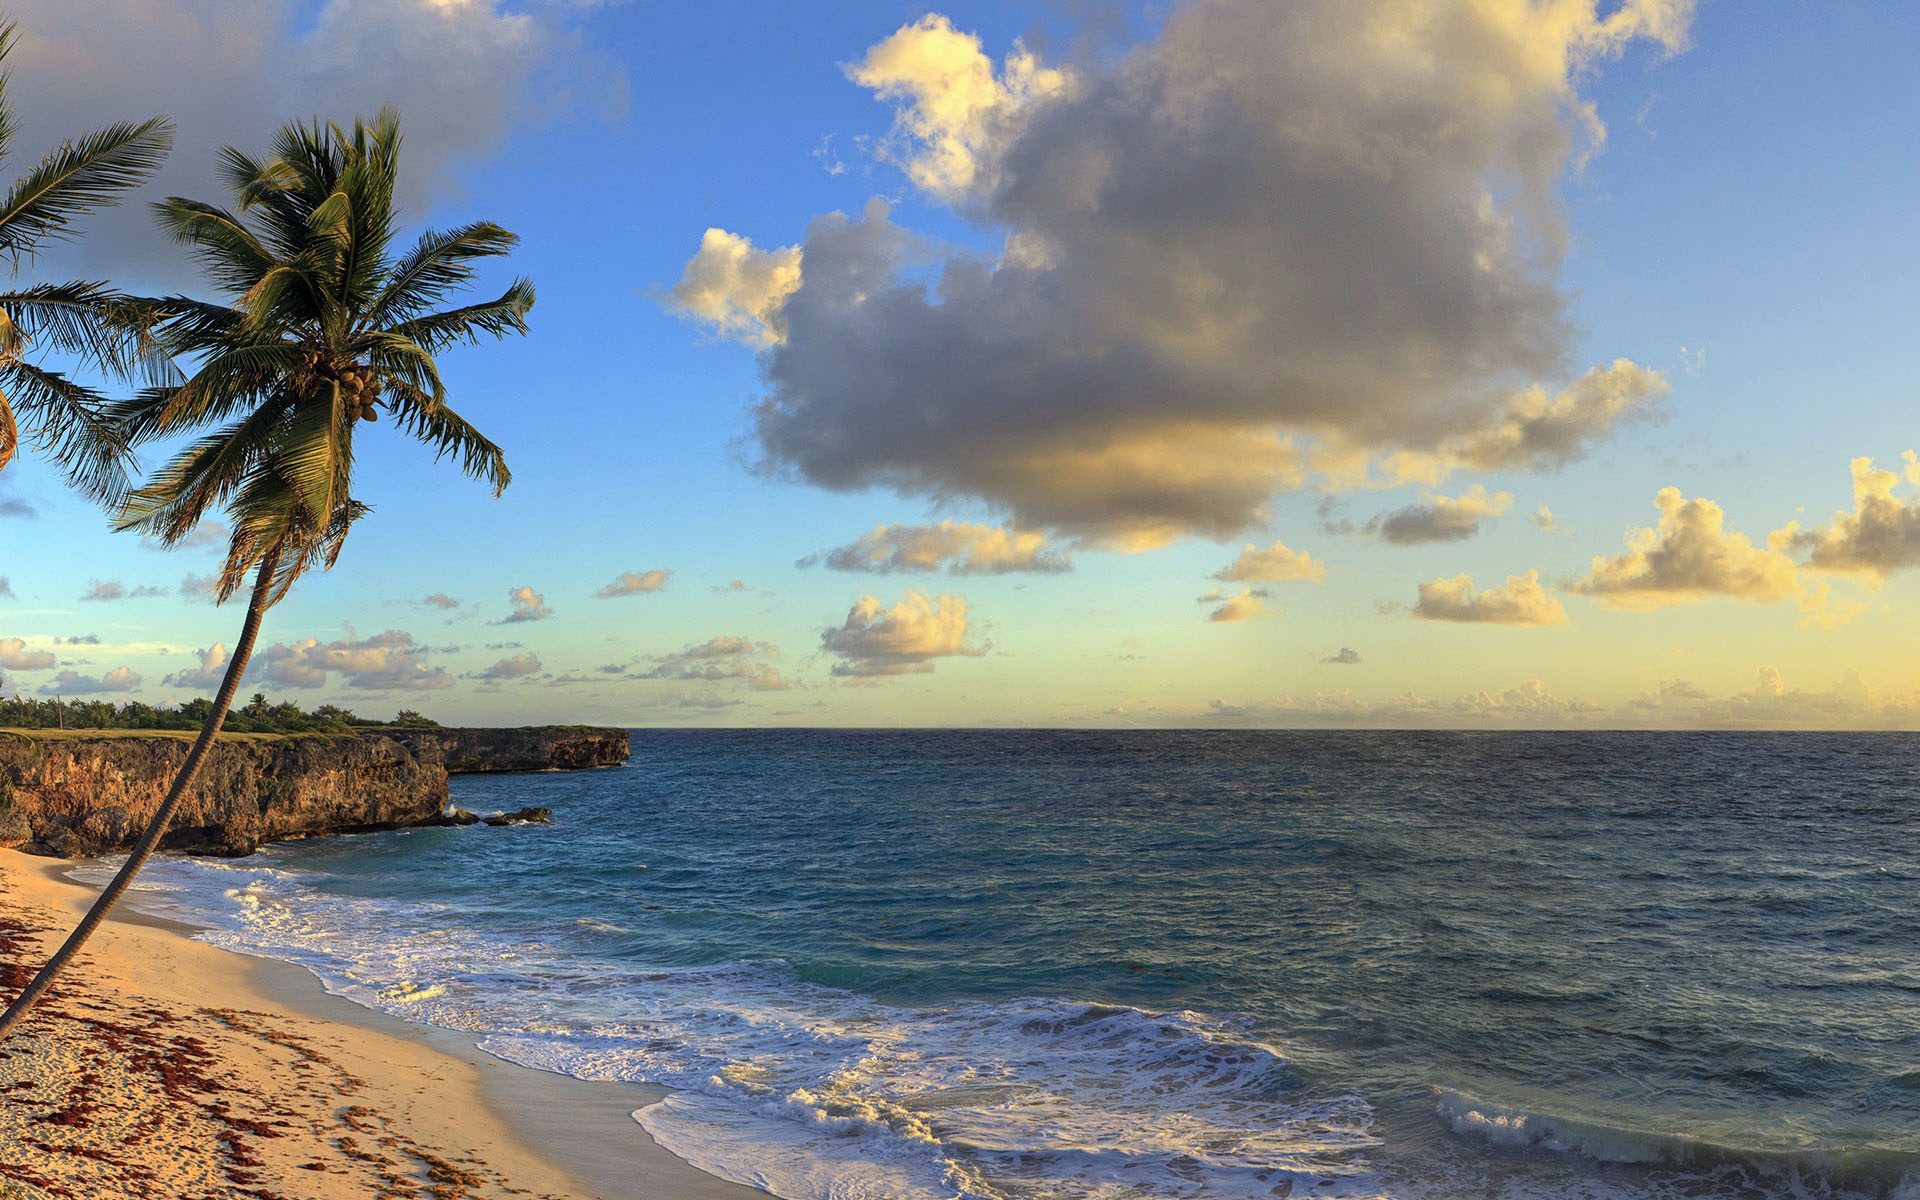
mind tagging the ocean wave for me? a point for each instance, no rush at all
(1692, 1165)
(813, 1092)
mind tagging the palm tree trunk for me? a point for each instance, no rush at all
(163, 816)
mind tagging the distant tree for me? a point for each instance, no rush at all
(326, 328)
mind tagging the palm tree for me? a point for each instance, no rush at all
(61, 416)
(326, 329)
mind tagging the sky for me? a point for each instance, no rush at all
(1436, 363)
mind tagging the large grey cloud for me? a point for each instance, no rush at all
(232, 71)
(1271, 242)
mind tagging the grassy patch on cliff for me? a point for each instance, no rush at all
(172, 735)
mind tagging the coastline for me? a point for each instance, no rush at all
(165, 1067)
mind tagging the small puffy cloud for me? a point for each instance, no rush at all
(1882, 533)
(722, 659)
(15, 656)
(876, 640)
(207, 676)
(6, 587)
(1691, 556)
(1541, 433)
(1821, 609)
(737, 289)
(1244, 605)
(528, 605)
(732, 585)
(113, 589)
(71, 683)
(1347, 657)
(82, 639)
(1440, 519)
(1523, 601)
(632, 583)
(963, 548)
(390, 661)
(1275, 564)
(13, 506)
(200, 587)
(1543, 520)
(516, 667)
(1269, 241)
(441, 601)
(952, 105)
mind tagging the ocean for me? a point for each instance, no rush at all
(917, 964)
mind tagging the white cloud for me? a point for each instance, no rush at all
(1271, 240)
(904, 640)
(515, 667)
(1523, 601)
(528, 605)
(112, 589)
(1882, 533)
(207, 676)
(737, 288)
(631, 583)
(71, 683)
(15, 656)
(962, 547)
(390, 661)
(1441, 518)
(1243, 605)
(954, 108)
(1275, 564)
(441, 601)
(1690, 556)
(722, 659)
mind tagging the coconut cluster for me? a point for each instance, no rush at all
(360, 390)
(359, 386)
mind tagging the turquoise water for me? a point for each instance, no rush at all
(1030, 964)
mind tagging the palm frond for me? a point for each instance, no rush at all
(9, 34)
(226, 248)
(430, 421)
(79, 177)
(438, 264)
(80, 318)
(497, 318)
(64, 419)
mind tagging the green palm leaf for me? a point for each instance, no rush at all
(79, 177)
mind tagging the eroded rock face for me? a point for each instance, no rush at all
(535, 748)
(76, 795)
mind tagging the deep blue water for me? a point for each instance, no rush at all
(1052, 964)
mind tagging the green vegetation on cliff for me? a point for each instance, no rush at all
(256, 716)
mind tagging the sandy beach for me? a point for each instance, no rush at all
(164, 1068)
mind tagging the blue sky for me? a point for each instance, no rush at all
(1742, 236)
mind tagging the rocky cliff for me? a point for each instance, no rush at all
(532, 748)
(79, 793)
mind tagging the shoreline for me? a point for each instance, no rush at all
(230, 1075)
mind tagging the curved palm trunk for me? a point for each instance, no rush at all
(163, 816)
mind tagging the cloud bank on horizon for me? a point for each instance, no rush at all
(1173, 332)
